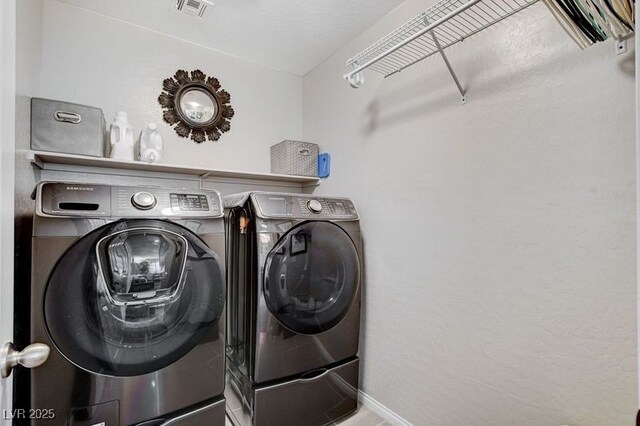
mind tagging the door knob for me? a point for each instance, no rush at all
(32, 356)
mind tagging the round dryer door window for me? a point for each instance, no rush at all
(311, 277)
(133, 297)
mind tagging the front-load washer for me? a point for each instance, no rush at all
(294, 285)
(128, 292)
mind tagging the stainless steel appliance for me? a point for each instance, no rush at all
(128, 292)
(293, 320)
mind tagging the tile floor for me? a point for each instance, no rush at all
(363, 417)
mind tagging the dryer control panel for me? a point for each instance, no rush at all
(80, 200)
(271, 205)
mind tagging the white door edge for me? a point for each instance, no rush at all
(637, 115)
(7, 176)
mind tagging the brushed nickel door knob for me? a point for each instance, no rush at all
(32, 356)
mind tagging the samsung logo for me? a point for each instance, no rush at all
(79, 188)
(276, 198)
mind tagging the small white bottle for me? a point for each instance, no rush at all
(151, 145)
(121, 137)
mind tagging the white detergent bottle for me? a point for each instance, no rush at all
(151, 145)
(121, 138)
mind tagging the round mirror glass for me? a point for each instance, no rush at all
(198, 106)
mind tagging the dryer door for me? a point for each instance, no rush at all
(133, 297)
(311, 277)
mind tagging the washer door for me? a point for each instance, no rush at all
(311, 277)
(133, 297)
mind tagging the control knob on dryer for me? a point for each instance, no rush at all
(143, 200)
(315, 206)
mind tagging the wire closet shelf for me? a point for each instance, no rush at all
(437, 28)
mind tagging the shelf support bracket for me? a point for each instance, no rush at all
(463, 94)
(201, 179)
(35, 160)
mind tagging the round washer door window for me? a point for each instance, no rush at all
(133, 297)
(311, 277)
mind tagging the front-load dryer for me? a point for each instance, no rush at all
(128, 291)
(294, 286)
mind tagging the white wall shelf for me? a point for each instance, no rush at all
(42, 159)
(442, 25)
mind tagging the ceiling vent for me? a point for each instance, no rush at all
(193, 8)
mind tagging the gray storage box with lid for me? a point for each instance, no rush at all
(294, 158)
(67, 128)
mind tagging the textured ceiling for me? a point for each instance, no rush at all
(289, 35)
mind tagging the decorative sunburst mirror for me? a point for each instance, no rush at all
(196, 105)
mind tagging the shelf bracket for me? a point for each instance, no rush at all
(463, 94)
(35, 160)
(201, 179)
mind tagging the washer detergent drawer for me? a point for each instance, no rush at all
(316, 398)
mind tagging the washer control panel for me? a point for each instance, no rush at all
(148, 202)
(303, 206)
(80, 200)
(189, 202)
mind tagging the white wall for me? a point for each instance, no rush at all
(91, 59)
(28, 84)
(29, 47)
(499, 235)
